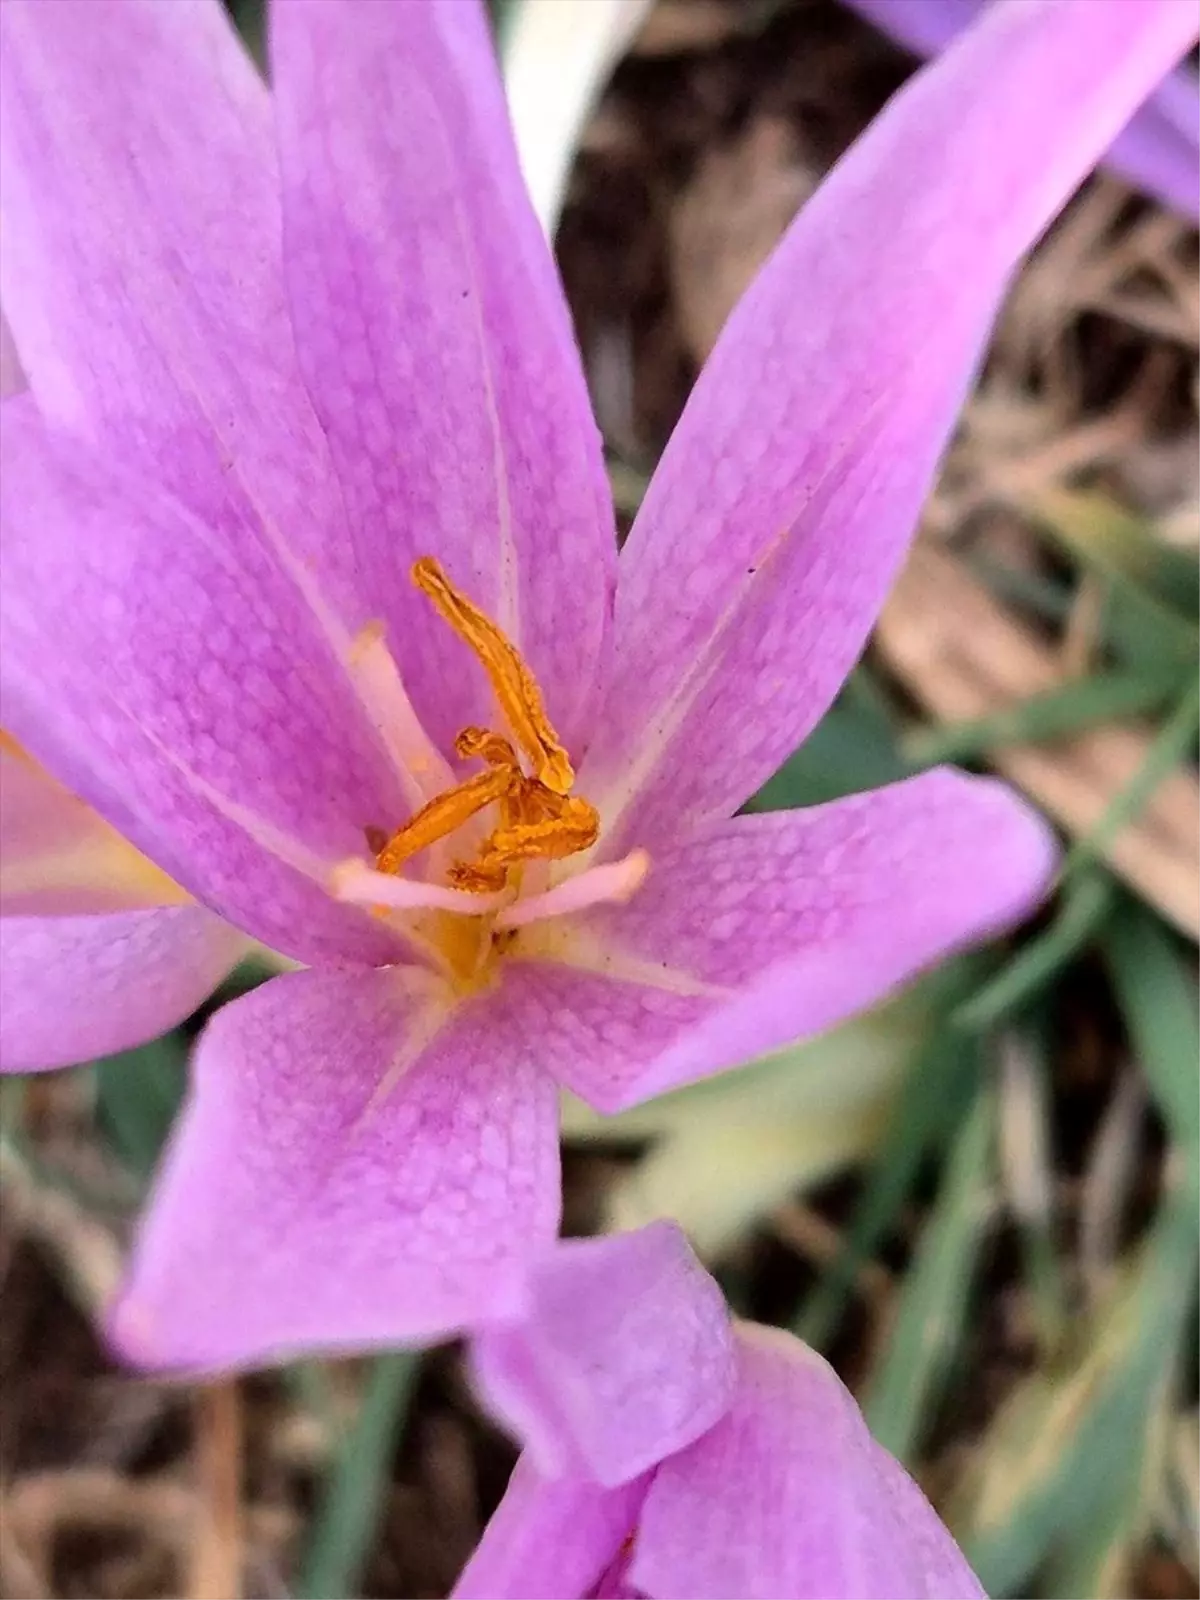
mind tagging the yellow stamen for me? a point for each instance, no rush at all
(576, 827)
(513, 684)
(538, 819)
(443, 815)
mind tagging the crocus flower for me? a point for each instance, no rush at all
(669, 1452)
(308, 589)
(1159, 150)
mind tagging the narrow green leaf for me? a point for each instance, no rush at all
(1049, 598)
(1050, 1462)
(1119, 543)
(1056, 713)
(347, 1517)
(1026, 1164)
(1086, 903)
(1174, 740)
(138, 1094)
(851, 749)
(1156, 992)
(902, 1397)
(938, 1091)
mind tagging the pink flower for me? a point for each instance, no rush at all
(669, 1453)
(1159, 150)
(288, 353)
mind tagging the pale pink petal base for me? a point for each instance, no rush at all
(549, 1539)
(789, 1498)
(76, 987)
(353, 1167)
(769, 928)
(623, 1355)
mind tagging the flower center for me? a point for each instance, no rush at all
(538, 817)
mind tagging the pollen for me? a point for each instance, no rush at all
(527, 775)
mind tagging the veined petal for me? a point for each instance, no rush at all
(1157, 150)
(436, 343)
(761, 931)
(786, 498)
(549, 1539)
(789, 1498)
(76, 987)
(141, 270)
(152, 669)
(357, 1164)
(12, 375)
(142, 276)
(622, 1354)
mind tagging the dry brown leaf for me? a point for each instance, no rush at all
(963, 656)
(729, 219)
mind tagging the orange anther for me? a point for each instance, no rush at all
(513, 684)
(443, 815)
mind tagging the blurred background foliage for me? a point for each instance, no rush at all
(981, 1200)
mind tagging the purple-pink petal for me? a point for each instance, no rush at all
(787, 496)
(752, 933)
(76, 987)
(550, 1538)
(1159, 149)
(436, 343)
(789, 1498)
(98, 950)
(621, 1355)
(160, 675)
(353, 1166)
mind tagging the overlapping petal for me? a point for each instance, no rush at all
(1159, 150)
(98, 949)
(789, 1498)
(755, 932)
(76, 987)
(785, 500)
(434, 337)
(549, 1538)
(354, 1165)
(622, 1355)
(159, 673)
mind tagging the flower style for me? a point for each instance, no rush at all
(669, 1452)
(1158, 151)
(309, 579)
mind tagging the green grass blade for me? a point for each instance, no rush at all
(348, 1515)
(1026, 1164)
(1056, 713)
(942, 1081)
(1122, 545)
(851, 749)
(138, 1094)
(902, 1398)
(1086, 903)
(1156, 993)
(1043, 1475)
(1174, 740)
